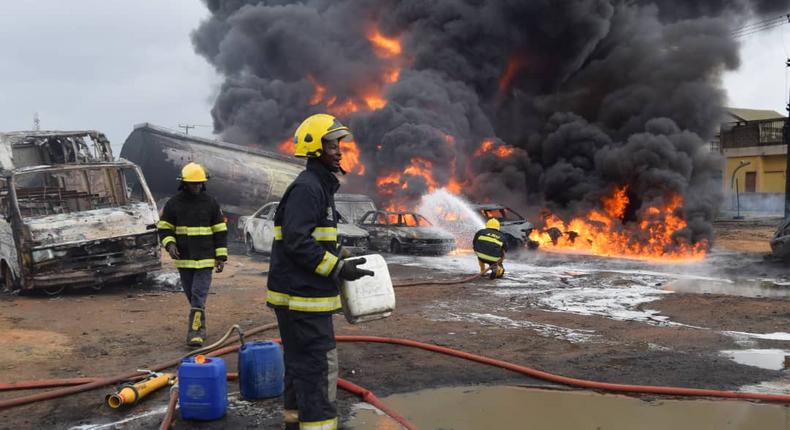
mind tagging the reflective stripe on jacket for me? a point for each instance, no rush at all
(196, 225)
(304, 252)
(489, 245)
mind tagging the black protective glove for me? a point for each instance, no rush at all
(350, 272)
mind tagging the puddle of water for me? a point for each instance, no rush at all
(773, 359)
(742, 288)
(471, 408)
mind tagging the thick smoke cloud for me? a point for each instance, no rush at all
(584, 95)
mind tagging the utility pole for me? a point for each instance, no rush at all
(186, 127)
(747, 31)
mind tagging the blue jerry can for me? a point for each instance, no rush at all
(202, 388)
(261, 370)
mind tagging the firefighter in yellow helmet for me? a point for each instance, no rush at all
(305, 269)
(490, 247)
(193, 231)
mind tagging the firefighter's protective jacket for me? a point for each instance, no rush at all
(304, 251)
(489, 245)
(196, 225)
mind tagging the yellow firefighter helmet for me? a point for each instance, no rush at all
(492, 223)
(193, 172)
(318, 127)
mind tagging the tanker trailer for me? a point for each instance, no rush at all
(241, 178)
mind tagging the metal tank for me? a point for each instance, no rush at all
(241, 178)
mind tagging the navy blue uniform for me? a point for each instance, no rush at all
(489, 246)
(304, 295)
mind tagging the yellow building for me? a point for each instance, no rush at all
(752, 147)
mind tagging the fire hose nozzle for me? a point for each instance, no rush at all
(131, 394)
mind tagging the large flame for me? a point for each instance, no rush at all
(603, 232)
(384, 46)
(350, 161)
(368, 96)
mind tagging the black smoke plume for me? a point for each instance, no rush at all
(584, 95)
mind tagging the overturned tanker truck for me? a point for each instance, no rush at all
(241, 178)
(71, 214)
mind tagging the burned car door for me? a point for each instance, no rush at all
(266, 227)
(372, 223)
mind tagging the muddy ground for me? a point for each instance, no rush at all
(584, 317)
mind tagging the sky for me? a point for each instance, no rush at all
(103, 65)
(107, 65)
(760, 82)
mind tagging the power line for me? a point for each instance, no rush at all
(757, 27)
(188, 127)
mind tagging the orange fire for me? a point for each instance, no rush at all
(603, 232)
(514, 65)
(350, 161)
(421, 167)
(384, 46)
(286, 146)
(374, 101)
(318, 94)
(500, 151)
(364, 97)
(389, 183)
(392, 75)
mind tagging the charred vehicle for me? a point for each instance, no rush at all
(780, 243)
(259, 232)
(72, 216)
(353, 206)
(405, 232)
(514, 227)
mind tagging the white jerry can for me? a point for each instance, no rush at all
(369, 297)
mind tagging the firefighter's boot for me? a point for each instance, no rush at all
(196, 333)
(291, 419)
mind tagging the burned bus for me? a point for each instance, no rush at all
(72, 216)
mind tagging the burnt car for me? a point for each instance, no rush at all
(258, 231)
(353, 207)
(513, 226)
(780, 244)
(73, 216)
(405, 232)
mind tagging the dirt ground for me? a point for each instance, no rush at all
(127, 327)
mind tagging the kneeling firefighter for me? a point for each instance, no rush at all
(193, 231)
(305, 270)
(489, 246)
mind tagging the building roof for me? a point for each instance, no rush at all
(741, 114)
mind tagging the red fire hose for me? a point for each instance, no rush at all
(672, 391)
(368, 397)
(583, 383)
(98, 382)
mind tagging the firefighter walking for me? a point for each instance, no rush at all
(193, 231)
(305, 269)
(489, 246)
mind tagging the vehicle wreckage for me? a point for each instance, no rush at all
(72, 216)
